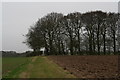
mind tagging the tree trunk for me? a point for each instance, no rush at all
(51, 47)
(71, 45)
(59, 50)
(78, 41)
(104, 40)
(114, 41)
(98, 44)
(90, 44)
(50, 43)
(46, 46)
(34, 49)
(93, 42)
(63, 52)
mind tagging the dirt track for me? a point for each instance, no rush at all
(89, 66)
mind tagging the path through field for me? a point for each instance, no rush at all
(41, 67)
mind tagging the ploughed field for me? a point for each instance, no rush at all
(89, 66)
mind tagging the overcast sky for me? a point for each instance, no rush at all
(17, 18)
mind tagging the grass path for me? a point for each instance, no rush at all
(25, 74)
(42, 67)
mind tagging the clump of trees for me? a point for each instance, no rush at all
(94, 32)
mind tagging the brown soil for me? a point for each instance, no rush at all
(89, 66)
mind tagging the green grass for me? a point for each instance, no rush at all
(0, 67)
(12, 65)
(33, 67)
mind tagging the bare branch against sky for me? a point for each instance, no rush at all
(17, 17)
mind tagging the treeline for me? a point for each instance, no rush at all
(9, 54)
(94, 32)
(15, 54)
